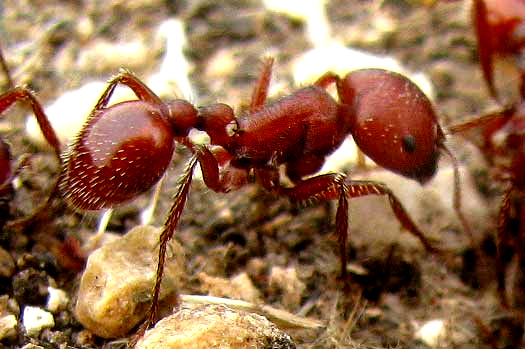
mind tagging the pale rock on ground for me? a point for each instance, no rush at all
(214, 326)
(115, 289)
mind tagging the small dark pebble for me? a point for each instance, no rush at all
(7, 264)
(39, 260)
(30, 287)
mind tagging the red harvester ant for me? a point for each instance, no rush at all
(500, 32)
(125, 148)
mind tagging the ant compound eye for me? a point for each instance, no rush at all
(409, 143)
(231, 128)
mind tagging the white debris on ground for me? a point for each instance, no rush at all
(36, 319)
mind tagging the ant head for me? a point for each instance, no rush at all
(394, 122)
(218, 121)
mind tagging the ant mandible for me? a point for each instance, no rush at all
(123, 149)
(500, 31)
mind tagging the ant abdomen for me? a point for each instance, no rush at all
(121, 152)
(395, 124)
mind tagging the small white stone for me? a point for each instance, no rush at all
(36, 319)
(57, 300)
(432, 332)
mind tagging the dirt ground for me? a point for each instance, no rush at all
(48, 44)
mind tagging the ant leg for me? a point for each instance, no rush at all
(24, 94)
(210, 169)
(518, 287)
(457, 196)
(485, 51)
(333, 186)
(503, 240)
(346, 95)
(327, 79)
(492, 121)
(217, 172)
(260, 90)
(167, 233)
(126, 78)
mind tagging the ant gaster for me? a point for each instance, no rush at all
(125, 148)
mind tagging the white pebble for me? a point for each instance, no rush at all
(57, 300)
(36, 319)
(431, 333)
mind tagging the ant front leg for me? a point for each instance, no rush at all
(334, 187)
(23, 94)
(219, 177)
(217, 172)
(167, 233)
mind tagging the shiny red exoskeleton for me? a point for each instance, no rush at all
(500, 30)
(125, 148)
